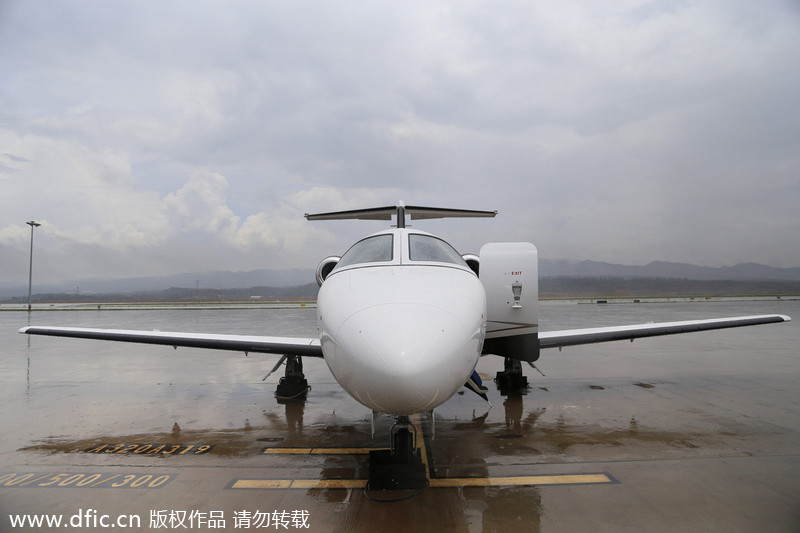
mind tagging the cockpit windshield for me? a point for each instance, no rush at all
(428, 248)
(374, 249)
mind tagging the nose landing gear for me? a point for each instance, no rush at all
(401, 466)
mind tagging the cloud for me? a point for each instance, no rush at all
(103, 226)
(156, 140)
(200, 206)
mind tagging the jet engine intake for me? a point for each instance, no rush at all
(324, 268)
(473, 262)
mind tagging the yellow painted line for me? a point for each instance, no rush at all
(262, 484)
(329, 483)
(318, 451)
(558, 479)
(299, 484)
(417, 421)
(563, 479)
(543, 480)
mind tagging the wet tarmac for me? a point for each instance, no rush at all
(698, 432)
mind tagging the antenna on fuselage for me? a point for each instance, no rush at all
(400, 211)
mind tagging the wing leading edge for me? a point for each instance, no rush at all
(306, 347)
(559, 339)
(310, 347)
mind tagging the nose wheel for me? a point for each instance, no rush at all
(401, 466)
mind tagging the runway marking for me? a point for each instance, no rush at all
(540, 480)
(543, 480)
(516, 481)
(31, 481)
(416, 420)
(139, 448)
(298, 484)
(318, 451)
(85, 480)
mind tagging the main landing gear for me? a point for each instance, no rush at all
(293, 384)
(400, 467)
(511, 379)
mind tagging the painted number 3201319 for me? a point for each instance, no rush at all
(151, 449)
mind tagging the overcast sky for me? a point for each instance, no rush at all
(164, 137)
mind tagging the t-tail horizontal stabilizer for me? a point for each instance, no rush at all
(400, 210)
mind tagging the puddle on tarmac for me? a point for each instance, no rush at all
(533, 433)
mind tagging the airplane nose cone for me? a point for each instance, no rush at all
(408, 358)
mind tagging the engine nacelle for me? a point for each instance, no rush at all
(324, 268)
(509, 272)
(473, 262)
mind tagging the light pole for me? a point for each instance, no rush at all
(32, 224)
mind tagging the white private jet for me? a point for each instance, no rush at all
(403, 318)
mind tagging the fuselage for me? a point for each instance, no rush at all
(402, 321)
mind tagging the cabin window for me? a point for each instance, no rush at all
(428, 248)
(375, 249)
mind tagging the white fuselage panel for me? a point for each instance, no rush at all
(402, 338)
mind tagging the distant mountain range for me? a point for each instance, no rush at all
(548, 268)
(666, 270)
(206, 280)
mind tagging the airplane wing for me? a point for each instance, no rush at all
(310, 347)
(559, 339)
(306, 347)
